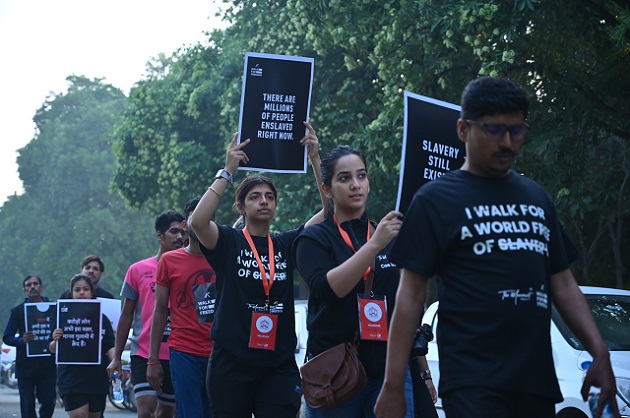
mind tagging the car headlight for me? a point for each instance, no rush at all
(623, 389)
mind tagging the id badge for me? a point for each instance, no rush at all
(373, 318)
(263, 331)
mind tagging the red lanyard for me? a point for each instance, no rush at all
(346, 239)
(267, 281)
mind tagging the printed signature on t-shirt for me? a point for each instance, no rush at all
(516, 295)
(276, 307)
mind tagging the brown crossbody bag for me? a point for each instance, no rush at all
(336, 375)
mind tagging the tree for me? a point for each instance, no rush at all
(367, 54)
(576, 69)
(66, 212)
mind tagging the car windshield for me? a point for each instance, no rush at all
(612, 316)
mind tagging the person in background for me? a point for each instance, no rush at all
(493, 238)
(84, 388)
(138, 291)
(183, 281)
(36, 375)
(424, 392)
(338, 258)
(93, 267)
(248, 374)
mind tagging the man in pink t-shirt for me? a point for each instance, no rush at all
(138, 291)
(186, 281)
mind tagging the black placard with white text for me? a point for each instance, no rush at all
(40, 319)
(80, 321)
(275, 101)
(430, 148)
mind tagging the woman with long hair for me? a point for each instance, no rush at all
(341, 257)
(84, 388)
(252, 367)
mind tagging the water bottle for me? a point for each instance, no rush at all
(593, 396)
(117, 392)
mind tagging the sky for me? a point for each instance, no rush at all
(42, 42)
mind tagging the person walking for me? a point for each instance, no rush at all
(252, 369)
(181, 276)
(340, 259)
(493, 238)
(84, 388)
(138, 291)
(36, 376)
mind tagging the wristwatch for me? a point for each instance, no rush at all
(223, 174)
(425, 373)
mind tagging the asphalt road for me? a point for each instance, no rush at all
(10, 406)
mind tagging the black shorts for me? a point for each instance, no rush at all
(141, 386)
(77, 400)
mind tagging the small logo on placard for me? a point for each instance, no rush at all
(264, 324)
(256, 71)
(373, 312)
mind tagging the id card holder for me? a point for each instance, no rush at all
(373, 317)
(262, 334)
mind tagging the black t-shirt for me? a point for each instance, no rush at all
(240, 292)
(89, 378)
(332, 320)
(493, 243)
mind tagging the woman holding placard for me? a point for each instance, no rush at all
(252, 367)
(352, 285)
(84, 388)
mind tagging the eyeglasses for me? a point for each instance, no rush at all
(496, 131)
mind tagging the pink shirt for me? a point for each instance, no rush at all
(139, 285)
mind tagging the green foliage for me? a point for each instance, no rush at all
(367, 53)
(66, 211)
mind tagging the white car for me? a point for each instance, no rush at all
(7, 367)
(611, 310)
(300, 330)
(301, 309)
(8, 353)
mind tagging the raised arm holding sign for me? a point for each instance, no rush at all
(254, 278)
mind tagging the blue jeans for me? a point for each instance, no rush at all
(188, 374)
(46, 389)
(362, 406)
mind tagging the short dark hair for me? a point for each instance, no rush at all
(30, 276)
(88, 259)
(78, 277)
(190, 206)
(249, 183)
(491, 96)
(164, 220)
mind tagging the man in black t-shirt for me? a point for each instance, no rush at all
(493, 238)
